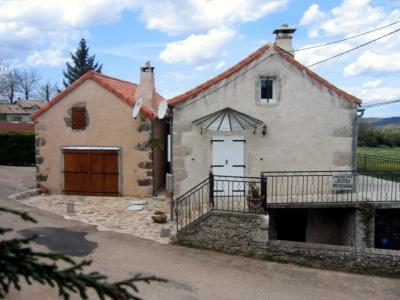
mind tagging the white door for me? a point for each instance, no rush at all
(228, 160)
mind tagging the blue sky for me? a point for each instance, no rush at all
(190, 41)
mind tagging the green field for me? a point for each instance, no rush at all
(382, 152)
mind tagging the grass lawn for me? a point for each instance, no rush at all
(382, 152)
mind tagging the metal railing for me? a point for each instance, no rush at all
(327, 187)
(221, 193)
(285, 189)
(367, 162)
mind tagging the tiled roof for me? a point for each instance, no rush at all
(16, 126)
(248, 60)
(12, 109)
(122, 89)
(29, 103)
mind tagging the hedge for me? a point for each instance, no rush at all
(17, 148)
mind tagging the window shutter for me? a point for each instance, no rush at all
(78, 118)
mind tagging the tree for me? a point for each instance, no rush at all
(28, 82)
(3, 81)
(10, 84)
(18, 260)
(81, 63)
(47, 91)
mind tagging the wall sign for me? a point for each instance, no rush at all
(342, 182)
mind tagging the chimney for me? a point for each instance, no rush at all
(283, 38)
(146, 89)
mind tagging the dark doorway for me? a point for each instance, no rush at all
(387, 229)
(291, 224)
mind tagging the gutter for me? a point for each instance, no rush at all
(355, 134)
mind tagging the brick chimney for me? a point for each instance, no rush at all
(146, 89)
(283, 38)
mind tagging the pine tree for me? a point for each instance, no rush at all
(81, 63)
(18, 261)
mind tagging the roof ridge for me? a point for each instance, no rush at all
(216, 79)
(111, 77)
(317, 77)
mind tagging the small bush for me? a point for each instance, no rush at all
(17, 148)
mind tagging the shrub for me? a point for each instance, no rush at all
(17, 148)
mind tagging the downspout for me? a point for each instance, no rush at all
(355, 134)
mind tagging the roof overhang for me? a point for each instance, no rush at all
(227, 119)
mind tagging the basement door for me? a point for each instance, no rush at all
(228, 160)
(91, 172)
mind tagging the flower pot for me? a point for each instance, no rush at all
(254, 202)
(159, 218)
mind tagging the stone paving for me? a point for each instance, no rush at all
(110, 213)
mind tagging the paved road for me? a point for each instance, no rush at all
(192, 274)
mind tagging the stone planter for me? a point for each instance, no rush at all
(159, 217)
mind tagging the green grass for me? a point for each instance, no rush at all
(385, 152)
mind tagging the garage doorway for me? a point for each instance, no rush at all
(92, 171)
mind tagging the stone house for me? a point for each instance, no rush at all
(20, 111)
(88, 143)
(267, 113)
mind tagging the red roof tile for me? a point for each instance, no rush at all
(249, 59)
(124, 90)
(16, 126)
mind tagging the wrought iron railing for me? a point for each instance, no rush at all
(285, 189)
(221, 193)
(327, 187)
(376, 163)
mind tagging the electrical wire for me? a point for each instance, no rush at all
(355, 48)
(313, 47)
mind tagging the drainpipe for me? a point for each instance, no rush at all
(355, 133)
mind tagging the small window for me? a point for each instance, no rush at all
(268, 90)
(78, 118)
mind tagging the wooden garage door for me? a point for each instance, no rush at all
(91, 172)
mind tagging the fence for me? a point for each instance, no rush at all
(376, 163)
(288, 189)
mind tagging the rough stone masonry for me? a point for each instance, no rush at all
(247, 234)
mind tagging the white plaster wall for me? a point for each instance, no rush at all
(309, 129)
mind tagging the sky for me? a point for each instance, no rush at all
(190, 41)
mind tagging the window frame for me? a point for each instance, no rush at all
(274, 98)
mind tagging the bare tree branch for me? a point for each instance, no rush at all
(28, 81)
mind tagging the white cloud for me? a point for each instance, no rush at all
(350, 18)
(308, 57)
(372, 84)
(311, 15)
(198, 48)
(374, 93)
(30, 29)
(197, 16)
(209, 23)
(371, 61)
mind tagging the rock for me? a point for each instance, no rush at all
(137, 202)
(135, 208)
(165, 232)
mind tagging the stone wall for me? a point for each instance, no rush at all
(247, 234)
(227, 232)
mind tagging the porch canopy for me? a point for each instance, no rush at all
(227, 119)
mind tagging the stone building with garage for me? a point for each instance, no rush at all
(88, 143)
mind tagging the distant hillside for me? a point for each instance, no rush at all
(382, 122)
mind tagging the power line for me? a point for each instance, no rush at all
(355, 48)
(319, 62)
(379, 103)
(345, 39)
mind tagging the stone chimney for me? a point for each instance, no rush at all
(146, 89)
(283, 38)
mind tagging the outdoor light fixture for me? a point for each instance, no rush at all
(264, 130)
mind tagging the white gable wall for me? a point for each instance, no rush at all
(310, 128)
